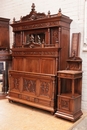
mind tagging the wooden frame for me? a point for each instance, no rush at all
(75, 46)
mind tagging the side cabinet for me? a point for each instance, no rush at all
(69, 91)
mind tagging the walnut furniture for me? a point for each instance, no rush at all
(5, 55)
(69, 90)
(40, 49)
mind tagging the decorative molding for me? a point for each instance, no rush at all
(39, 25)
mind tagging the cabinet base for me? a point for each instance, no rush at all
(52, 110)
(72, 117)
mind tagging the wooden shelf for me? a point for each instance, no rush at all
(69, 95)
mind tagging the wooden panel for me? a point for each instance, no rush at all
(18, 64)
(64, 104)
(48, 65)
(45, 89)
(64, 44)
(4, 33)
(29, 85)
(32, 64)
(18, 39)
(75, 44)
(69, 105)
(15, 83)
(54, 35)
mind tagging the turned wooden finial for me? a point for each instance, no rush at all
(59, 13)
(21, 18)
(14, 20)
(48, 13)
(33, 7)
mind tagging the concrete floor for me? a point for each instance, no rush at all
(16, 116)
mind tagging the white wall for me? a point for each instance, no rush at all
(75, 9)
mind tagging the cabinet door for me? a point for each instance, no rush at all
(63, 103)
(69, 105)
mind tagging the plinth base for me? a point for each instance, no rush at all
(72, 117)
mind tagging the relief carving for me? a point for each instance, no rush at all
(36, 26)
(16, 83)
(29, 85)
(36, 100)
(54, 36)
(44, 88)
(34, 53)
(64, 104)
(74, 66)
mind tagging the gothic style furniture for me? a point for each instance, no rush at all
(69, 90)
(5, 55)
(40, 49)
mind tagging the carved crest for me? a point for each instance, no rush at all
(74, 63)
(33, 14)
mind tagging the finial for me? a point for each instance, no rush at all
(73, 53)
(14, 20)
(59, 12)
(21, 18)
(48, 13)
(33, 7)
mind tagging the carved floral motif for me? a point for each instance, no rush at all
(29, 85)
(34, 53)
(65, 104)
(26, 27)
(16, 83)
(44, 88)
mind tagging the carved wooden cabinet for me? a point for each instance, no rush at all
(69, 90)
(5, 55)
(40, 49)
(4, 33)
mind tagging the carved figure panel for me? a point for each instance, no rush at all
(29, 85)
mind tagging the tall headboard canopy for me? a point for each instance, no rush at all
(40, 49)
